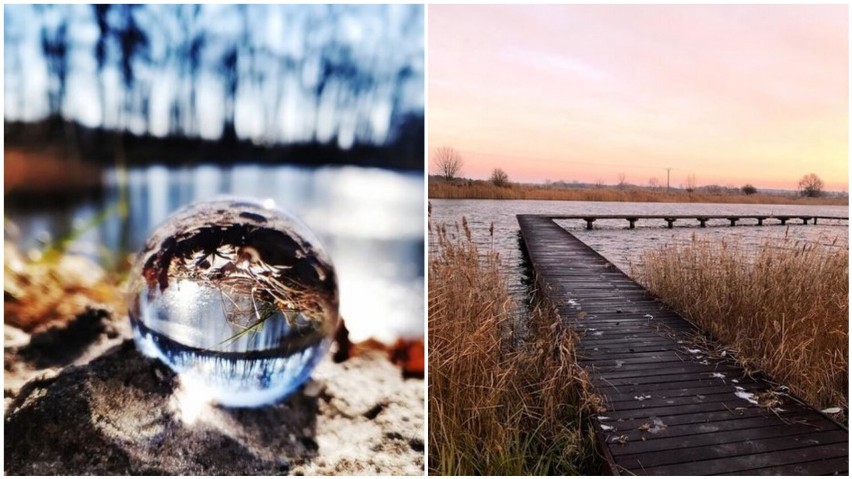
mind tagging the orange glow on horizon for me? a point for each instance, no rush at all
(730, 94)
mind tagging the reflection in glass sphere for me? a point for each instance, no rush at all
(236, 297)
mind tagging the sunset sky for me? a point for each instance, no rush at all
(730, 94)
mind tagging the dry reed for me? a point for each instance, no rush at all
(498, 405)
(483, 190)
(783, 310)
(39, 293)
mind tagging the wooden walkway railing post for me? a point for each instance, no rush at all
(702, 219)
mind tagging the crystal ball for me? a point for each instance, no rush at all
(236, 296)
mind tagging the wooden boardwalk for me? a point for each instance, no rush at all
(672, 406)
(701, 219)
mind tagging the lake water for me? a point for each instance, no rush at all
(369, 220)
(620, 245)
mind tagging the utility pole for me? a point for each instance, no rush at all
(668, 178)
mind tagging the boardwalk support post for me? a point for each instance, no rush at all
(783, 221)
(589, 222)
(733, 221)
(632, 222)
(670, 221)
(760, 221)
(815, 218)
(805, 220)
(702, 222)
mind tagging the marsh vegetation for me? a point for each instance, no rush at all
(783, 310)
(500, 402)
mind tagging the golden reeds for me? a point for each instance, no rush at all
(783, 310)
(42, 292)
(498, 404)
(484, 190)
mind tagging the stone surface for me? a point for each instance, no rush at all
(122, 413)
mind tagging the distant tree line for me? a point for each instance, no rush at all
(271, 73)
(448, 163)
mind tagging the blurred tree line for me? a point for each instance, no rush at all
(271, 74)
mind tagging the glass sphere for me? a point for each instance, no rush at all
(237, 297)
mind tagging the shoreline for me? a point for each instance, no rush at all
(486, 191)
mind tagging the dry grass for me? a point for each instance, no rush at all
(783, 310)
(52, 289)
(483, 190)
(498, 406)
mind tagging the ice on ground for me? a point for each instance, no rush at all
(658, 425)
(747, 396)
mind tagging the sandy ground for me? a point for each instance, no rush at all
(82, 400)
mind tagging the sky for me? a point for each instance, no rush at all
(728, 94)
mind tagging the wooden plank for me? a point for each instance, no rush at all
(627, 369)
(695, 418)
(655, 382)
(720, 432)
(657, 401)
(612, 395)
(821, 467)
(629, 348)
(656, 388)
(714, 451)
(750, 461)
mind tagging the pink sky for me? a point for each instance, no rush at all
(730, 94)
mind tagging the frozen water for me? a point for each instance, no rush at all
(237, 297)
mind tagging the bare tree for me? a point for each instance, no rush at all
(499, 177)
(133, 47)
(622, 180)
(55, 48)
(749, 189)
(654, 182)
(811, 185)
(448, 161)
(101, 13)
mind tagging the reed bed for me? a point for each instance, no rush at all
(783, 310)
(484, 190)
(499, 404)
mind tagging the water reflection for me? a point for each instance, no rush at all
(612, 240)
(370, 220)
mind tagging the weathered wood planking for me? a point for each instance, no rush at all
(672, 407)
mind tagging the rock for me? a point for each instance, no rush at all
(123, 413)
